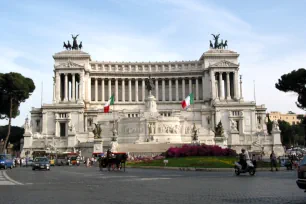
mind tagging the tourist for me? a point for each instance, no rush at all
(273, 161)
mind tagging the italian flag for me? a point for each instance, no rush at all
(108, 104)
(188, 100)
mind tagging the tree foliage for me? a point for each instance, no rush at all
(15, 136)
(294, 81)
(14, 89)
(292, 134)
(269, 125)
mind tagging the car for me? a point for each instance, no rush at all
(41, 163)
(6, 161)
(301, 172)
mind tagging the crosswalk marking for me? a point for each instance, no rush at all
(5, 180)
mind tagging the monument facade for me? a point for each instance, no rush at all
(147, 116)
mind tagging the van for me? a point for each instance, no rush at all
(6, 161)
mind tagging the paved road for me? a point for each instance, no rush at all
(137, 186)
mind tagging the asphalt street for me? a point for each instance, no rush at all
(89, 185)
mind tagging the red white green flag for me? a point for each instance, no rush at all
(188, 100)
(108, 104)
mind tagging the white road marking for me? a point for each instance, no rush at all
(5, 180)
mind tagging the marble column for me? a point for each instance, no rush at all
(123, 89)
(163, 90)
(73, 87)
(57, 129)
(109, 88)
(176, 89)
(103, 89)
(156, 89)
(241, 96)
(130, 90)
(197, 89)
(170, 89)
(85, 123)
(88, 87)
(81, 87)
(136, 90)
(143, 90)
(54, 92)
(213, 84)
(96, 89)
(183, 88)
(58, 86)
(228, 89)
(203, 87)
(116, 90)
(190, 86)
(236, 85)
(221, 87)
(66, 87)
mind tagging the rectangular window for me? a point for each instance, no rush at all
(62, 129)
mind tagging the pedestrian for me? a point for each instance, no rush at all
(87, 162)
(273, 161)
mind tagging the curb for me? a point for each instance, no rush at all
(199, 169)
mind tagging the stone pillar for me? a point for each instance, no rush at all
(86, 123)
(170, 89)
(66, 87)
(123, 89)
(228, 89)
(57, 128)
(109, 88)
(96, 89)
(136, 90)
(58, 87)
(197, 89)
(143, 90)
(163, 90)
(54, 92)
(130, 90)
(73, 87)
(81, 87)
(89, 87)
(203, 88)
(176, 89)
(103, 89)
(156, 89)
(116, 90)
(236, 85)
(213, 85)
(183, 88)
(241, 96)
(221, 87)
(190, 86)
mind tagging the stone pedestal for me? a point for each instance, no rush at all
(114, 146)
(71, 139)
(98, 145)
(220, 141)
(234, 138)
(276, 142)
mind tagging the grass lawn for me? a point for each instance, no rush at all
(199, 162)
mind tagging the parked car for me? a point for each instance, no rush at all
(41, 163)
(6, 161)
(301, 181)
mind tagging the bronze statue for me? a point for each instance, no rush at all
(69, 45)
(80, 45)
(75, 43)
(65, 46)
(149, 84)
(97, 131)
(216, 38)
(211, 45)
(225, 44)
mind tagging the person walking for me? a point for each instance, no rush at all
(273, 161)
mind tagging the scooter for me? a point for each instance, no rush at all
(251, 168)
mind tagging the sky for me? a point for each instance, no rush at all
(268, 35)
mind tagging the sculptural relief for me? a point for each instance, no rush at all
(275, 126)
(233, 125)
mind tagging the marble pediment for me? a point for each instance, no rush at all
(224, 63)
(69, 64)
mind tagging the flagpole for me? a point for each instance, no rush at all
(254, 92)
(41, 95)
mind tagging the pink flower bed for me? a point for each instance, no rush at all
(199, 150)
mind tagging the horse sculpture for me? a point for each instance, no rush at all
(216, 37)
(65, 46)
(80, 45)
(69, 45)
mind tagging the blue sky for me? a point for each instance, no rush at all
(268, 35)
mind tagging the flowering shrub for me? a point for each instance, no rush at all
(199, 150)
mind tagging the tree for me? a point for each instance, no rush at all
(14, 89)
(294, 81)
(15, 136)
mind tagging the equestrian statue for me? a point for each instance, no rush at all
(75, 45)
(217, 45)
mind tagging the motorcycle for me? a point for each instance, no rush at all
(250, 168)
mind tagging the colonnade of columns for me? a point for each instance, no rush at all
(225, 85)
(68, 87)
(133, 89)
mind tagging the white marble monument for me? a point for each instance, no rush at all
(147, 122)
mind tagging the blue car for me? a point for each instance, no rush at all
(6, 161)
